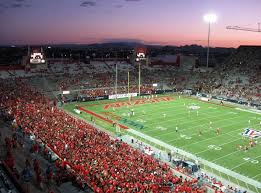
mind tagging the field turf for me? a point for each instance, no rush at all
(196, 129)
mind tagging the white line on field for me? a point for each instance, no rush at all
(209, 138)
(164, 109)
(225, 155)
(209, 118)
(192, 156)
(227, 125)
(188, 122)
(244, 163)
(218, 146)
(256, 176)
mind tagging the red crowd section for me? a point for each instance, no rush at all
(104, 164)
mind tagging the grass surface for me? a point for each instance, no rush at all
(160, 117)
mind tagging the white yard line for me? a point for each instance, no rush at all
(225, 155)
(209, 138)
(176, 109)
(172, 112)
(193, 157)
(218, 146)
(256, 176)
(197, 120)
(197, 126)
(209, 119)
(207, 131)
(249, 111)
(244, 163)
(233, 135)
(178, 120)
(187, 122)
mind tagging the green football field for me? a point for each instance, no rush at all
(188, 124)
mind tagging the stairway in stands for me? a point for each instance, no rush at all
(110, 68)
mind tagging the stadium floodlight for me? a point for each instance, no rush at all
(209, 18)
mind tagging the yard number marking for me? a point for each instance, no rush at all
(185, 137)
(253, 161)
(217, 148)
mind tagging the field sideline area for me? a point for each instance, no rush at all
(188, 124)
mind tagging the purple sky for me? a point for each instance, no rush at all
(173, 22)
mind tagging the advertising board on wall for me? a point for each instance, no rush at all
(119, 96)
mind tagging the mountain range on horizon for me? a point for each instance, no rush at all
(114, 44)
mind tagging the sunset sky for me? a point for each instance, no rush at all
(172, 22)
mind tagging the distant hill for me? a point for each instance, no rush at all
(117, 45)
(120, 45)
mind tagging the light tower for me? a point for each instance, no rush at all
(141, 54)
(209, 18)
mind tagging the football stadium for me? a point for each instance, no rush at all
(204, 130)
(146, 112)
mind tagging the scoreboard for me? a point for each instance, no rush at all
(37, 57)
(141, 54)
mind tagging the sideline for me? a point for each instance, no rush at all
(249, 111)
(193, 157)
(101, 117)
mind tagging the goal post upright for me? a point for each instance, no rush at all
(128, 82)
(116, 76)
(139, 78)
(140, 54)
(116, 80)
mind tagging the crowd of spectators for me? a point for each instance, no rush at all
(239, 78)
(105, 164)
(25, 162)
(145, 89)
(109, 165)
(86, 80)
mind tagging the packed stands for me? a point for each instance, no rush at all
(239, 78)
(105, 164)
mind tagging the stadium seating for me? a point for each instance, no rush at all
(107, 165)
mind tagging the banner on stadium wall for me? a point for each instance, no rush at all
(77, 111)
(204, 98)
(66, 92)
(187, 91)
(120, 96)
